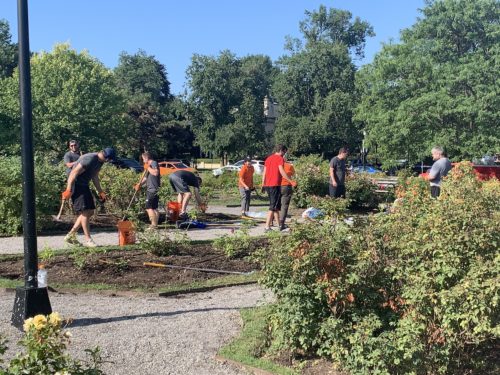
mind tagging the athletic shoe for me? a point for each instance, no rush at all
(267, 230)
(90, 243)
(71, 239)
(284, 228)
(184, 216)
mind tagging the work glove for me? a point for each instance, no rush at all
(102, 196)
(294, 183)
(137, 187)
(66, 194)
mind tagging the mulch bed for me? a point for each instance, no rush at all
(124, 269)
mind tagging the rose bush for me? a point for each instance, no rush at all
(410, 292)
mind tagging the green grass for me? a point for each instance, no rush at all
(247, 348)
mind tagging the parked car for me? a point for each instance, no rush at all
(124, 163)
(167, 167)
(227, 168)
(258, 166)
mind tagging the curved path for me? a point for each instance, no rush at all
(150, 334)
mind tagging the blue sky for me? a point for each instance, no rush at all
(174, 30)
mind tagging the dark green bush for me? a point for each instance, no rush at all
(49, 180)
(312, 179)
(411, 292)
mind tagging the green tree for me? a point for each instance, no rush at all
(157, 120)
(315, 89)
(438, 86)
(74, 96)
(226, 102)
(8, 51)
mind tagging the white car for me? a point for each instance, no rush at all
(258, 166)
(227, 168)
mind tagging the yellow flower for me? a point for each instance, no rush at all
(39, 321)
(55, 319)
(27, 324)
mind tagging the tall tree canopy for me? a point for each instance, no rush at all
(74, 96)
(315, 89)
(8, 51)
(156, 120)
(440, 85)
(226, 102)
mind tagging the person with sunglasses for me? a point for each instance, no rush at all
(72, 155)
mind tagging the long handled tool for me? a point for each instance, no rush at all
(58, 217)
(161, 265)
(135, 193)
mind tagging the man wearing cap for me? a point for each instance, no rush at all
(71, 156)
(84, 170)
(245, 184)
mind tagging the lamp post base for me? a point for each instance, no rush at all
(28, 303)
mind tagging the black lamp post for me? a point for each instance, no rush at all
(30, 300)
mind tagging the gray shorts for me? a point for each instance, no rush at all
(178, 184)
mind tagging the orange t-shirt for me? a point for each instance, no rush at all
(246, 174)
(290, 171)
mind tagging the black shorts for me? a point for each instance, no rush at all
(274, 193)
(178, 184)
(82, 199)
(151, 200)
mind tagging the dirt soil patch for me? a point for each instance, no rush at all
(125, 270)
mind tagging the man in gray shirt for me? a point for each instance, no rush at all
(337, 174)
(71, 156)
(152, 181)
(85, 169)
(439, 169)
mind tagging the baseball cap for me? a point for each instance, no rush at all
(109, 153)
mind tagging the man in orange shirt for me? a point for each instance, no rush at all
(245, 184)
(286, 193)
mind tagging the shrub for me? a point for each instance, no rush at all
(411, 292)
(360, 190)
(312, 179)
(119, 186)
(49, 180)
(235, 244)
(45, 343)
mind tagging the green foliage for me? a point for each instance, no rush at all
(119, 187)
(226, 99)
(411, 292)
(360, 190)
(315, 88)
(49, 179)
(74, 96)
(45, 343)
(236, 244)
(438, 86)
(312, 179)
(158, 243)
(8, 51)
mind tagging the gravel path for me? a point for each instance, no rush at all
(150, 334)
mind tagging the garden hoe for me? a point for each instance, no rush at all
(58, 217)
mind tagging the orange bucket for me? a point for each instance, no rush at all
(126, 233)
(173, 211)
